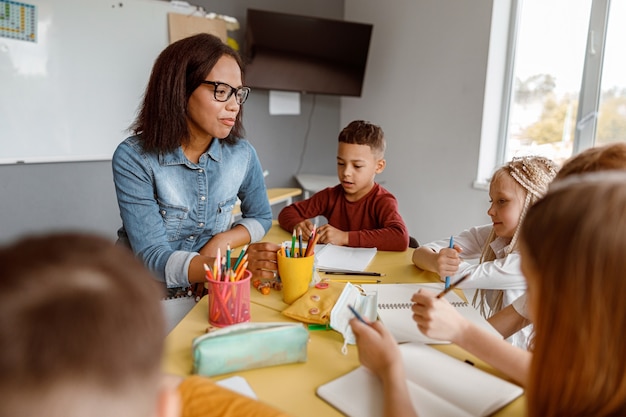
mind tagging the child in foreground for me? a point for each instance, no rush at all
(513, 189)
(82, 334)
(577, 367)
(360, 212)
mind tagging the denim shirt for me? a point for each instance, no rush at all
(171, 207)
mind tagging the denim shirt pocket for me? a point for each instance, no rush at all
(224, 214)
(173, 219)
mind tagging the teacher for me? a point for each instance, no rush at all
(178, 178)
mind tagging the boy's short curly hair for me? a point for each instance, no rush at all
(361, 132)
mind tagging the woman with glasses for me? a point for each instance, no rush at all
(179, 176)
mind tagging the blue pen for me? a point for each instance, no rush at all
(451, 246)
(357, 315)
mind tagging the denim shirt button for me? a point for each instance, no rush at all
(191, 237)
(163, 212)
(200, 224)
(200, 170)
(202, 198)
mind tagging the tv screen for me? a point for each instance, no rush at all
(305, 54)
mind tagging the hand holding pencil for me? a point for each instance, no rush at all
(435, 316)
(306, 227)
(447, 260)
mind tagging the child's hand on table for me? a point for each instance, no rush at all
(330, 234)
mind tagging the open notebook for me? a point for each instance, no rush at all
(329, 257)
(343, 258)
(394, 310)
(439, 386)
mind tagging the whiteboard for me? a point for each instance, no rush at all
(72, 94)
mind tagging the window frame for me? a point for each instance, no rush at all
(505, 21)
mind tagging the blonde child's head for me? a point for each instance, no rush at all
(573, 249)
(531, 176)
(81, 329)
(360, 157)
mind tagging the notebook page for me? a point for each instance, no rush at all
(239, 385)
(343, 258)
(469, 388)
(359, 394)
(394, 301)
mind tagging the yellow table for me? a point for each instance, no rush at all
(292, 387)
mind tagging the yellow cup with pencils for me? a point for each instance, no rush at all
(295, 274)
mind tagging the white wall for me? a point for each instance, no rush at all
(424, 86)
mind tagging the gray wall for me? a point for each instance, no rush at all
(424, 85)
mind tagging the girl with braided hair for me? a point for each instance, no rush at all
(495, 271)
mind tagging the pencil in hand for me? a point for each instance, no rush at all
(453, 286)
(310, 248)
(357, 315)
(451, 246)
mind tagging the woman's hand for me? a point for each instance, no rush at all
(262, 259)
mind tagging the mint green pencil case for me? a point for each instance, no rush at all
(248, 346)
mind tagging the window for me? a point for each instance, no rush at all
(556, 80)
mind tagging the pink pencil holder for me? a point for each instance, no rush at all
(229, 302)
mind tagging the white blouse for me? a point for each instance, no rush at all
(503, 273)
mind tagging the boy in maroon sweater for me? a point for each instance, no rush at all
(360, 212)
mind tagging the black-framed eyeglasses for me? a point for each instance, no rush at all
(223, 92)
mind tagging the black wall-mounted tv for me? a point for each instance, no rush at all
(306, 54)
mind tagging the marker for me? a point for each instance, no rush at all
(453, 286)
(355, 281)
(365, 274)
(451, 247)
(319, 327)
(293, 244)
(357, 315)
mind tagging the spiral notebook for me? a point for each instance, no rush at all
(394, 310)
